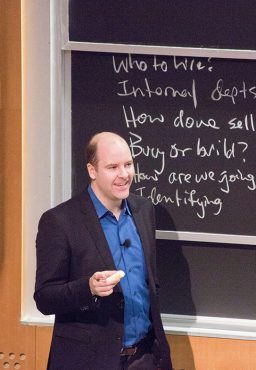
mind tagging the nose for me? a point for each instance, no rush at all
(123, 172)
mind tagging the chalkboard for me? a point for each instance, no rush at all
(207, 279)
(214, 24)
(191, 127)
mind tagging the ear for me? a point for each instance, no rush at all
(91, 171)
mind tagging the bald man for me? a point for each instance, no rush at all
(96, 270)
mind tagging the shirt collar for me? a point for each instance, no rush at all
(101, 210)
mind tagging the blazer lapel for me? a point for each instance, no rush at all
(93, 225)
(139, 220)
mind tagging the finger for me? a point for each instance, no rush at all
(102, 292)
(104, 288)
(109, 273)
(115, 278)
(105, 294)
(99, 275)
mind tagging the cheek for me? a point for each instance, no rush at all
(131, 172)
(107, 179)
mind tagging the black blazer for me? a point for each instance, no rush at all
(71, 247)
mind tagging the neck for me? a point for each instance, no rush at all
(113, 206)
(116, 212)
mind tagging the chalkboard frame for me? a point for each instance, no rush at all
(49, 183)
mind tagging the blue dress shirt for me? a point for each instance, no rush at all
(129, 257)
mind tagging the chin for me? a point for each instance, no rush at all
(123, 194)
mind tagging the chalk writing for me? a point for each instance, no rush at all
(190, 123)
(233, 93)
(132, 63)
(190, 146)
(137, 148)
(245, 123)
(148, 90)
(134, 120)
(129, 63)
(191, 198)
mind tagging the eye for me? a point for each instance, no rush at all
(112, 167)
(128, 165)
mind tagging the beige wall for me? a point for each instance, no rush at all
(26, 347)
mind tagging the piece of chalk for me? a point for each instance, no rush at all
(115, 278)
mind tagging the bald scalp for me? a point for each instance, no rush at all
(101, 138)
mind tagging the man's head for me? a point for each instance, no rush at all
(110, 167)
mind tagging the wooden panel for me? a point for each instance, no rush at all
(17, 342)
(43, 341)
(10, 54)
(188, 353)
(199, 353)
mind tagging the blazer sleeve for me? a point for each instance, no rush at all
(54, 292)
(153, 260)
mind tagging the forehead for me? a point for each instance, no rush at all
(113, 150)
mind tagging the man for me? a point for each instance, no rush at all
(99, 323)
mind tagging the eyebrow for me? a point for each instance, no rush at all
(117, 164)
(111, 164)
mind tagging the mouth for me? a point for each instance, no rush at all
(121, 185)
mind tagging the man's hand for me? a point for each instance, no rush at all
(102, 283)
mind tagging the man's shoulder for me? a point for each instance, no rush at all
(139, 201)
(69, 206)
